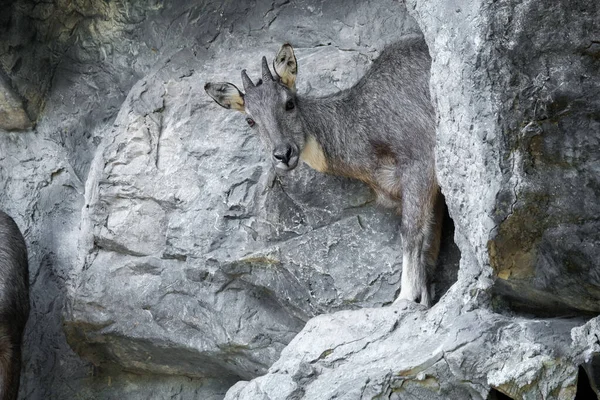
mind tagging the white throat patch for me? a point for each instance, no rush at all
(313, 155)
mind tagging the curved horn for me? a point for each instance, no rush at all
(246, 80)
(266, 72)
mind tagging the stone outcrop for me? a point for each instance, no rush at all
(409, 353)
(197, 259)
(168, 259)
(517, 86)
(517, 102)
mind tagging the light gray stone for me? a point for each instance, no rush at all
(407, 352)
(513, 137)
(151, 233)
(516, 88)
(176, 263)
(191, 239)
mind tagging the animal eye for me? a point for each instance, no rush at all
(250, 122)
(289, 105)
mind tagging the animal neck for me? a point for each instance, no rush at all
(323, 123)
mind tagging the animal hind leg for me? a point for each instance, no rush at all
(413, 285)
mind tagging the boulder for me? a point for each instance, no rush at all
(406, 352)
(517, 86)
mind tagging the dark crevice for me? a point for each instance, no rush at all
(446, 273)
(497, 395)
(585, 387)
(507, 300)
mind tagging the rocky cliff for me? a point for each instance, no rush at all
(168, 259)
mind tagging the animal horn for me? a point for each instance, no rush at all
(246, 80)
(266, 72)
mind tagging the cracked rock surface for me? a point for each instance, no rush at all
(12, 114)
(517, 127)
(168, 259)
(162, 245)
(519, 142)
(405, 352)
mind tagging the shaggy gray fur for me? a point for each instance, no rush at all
(14, 304)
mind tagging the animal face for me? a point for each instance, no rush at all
(270, 106)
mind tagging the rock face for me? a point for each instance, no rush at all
(168, 260)
(409, 353)
(198, 260)
(517, 149)
(12, 114)
(521, 125)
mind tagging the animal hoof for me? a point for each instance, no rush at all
(422, 298)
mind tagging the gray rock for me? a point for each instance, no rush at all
(517, 116)
(517, 94)
(117, 384)
(167, 271)
(175, 262)
(197, 259)
(407, 352)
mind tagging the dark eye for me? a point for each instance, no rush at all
(250, 122)
(289, 105)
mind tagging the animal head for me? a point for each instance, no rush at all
(270, 106)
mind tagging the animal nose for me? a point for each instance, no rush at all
(283, 153)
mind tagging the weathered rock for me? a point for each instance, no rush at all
(586, 338)
(117, 384)
(409, 353)
(188, 287)
(181, 263)
(517, 88)
(517, 148)
(194, 245)
(43, 171)
(12, 114)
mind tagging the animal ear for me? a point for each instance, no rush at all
(285, 66)
(226, 95)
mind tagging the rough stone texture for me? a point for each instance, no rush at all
(175, 262)
(198, 260)
(408, 353)
(517, 88)
(12, 114)
(160, 235)
(517, 98)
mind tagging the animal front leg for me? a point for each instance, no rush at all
(414, 281)
(420, 240)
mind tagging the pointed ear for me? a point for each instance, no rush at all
(226, 95)
(285, 66)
